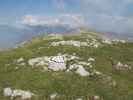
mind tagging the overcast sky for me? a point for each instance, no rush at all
(102, 15)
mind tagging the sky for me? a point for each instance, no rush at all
(102, 15)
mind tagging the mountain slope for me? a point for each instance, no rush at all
(74, 67)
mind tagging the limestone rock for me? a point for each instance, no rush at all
(57, 63)
(17, 93)
(7, 92)
(81, 71)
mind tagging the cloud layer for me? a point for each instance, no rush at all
(101, 15)
(105, 15)
(70, 20)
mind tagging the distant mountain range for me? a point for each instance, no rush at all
(126, 36)
(10, 36)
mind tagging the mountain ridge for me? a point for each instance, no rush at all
(80, 66)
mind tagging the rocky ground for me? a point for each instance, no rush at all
(86, 66)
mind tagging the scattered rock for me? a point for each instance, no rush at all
(114, 84)
(93, 43)
(39, 61)
(97, 72)
(95, 98)
(17, 93)
(59, 62)
(22, 64)
(119, 66)
(54, 96)
(91, 59)
(81, 71)
(20, 60)
(111, 41)
(71, 42)
(107, 41)
(79, 99)
(52, 60)
(119, 41)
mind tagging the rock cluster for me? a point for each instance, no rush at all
(119, 66)
(107, 41)
(93, 43)
(47, 60)
(118, 41)
(39, 61)
(8, 92)
(95, 97)
(54, 63)
(59, 63)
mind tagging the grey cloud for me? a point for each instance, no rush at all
(102, 15)
(107, 15)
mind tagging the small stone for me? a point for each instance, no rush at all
(91, 59)
(16, 68)
(98, 73)
(20, 60)
(96, 98)
(53, 96)
(119, 64)
(26, 95)
(79, 99)
(114, 83)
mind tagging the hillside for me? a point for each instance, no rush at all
(85, 66)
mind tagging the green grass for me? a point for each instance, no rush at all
(68, 84)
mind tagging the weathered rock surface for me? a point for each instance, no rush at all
(17, 93)
(57, 63)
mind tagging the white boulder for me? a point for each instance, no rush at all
(81, 71)
(57, 63)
